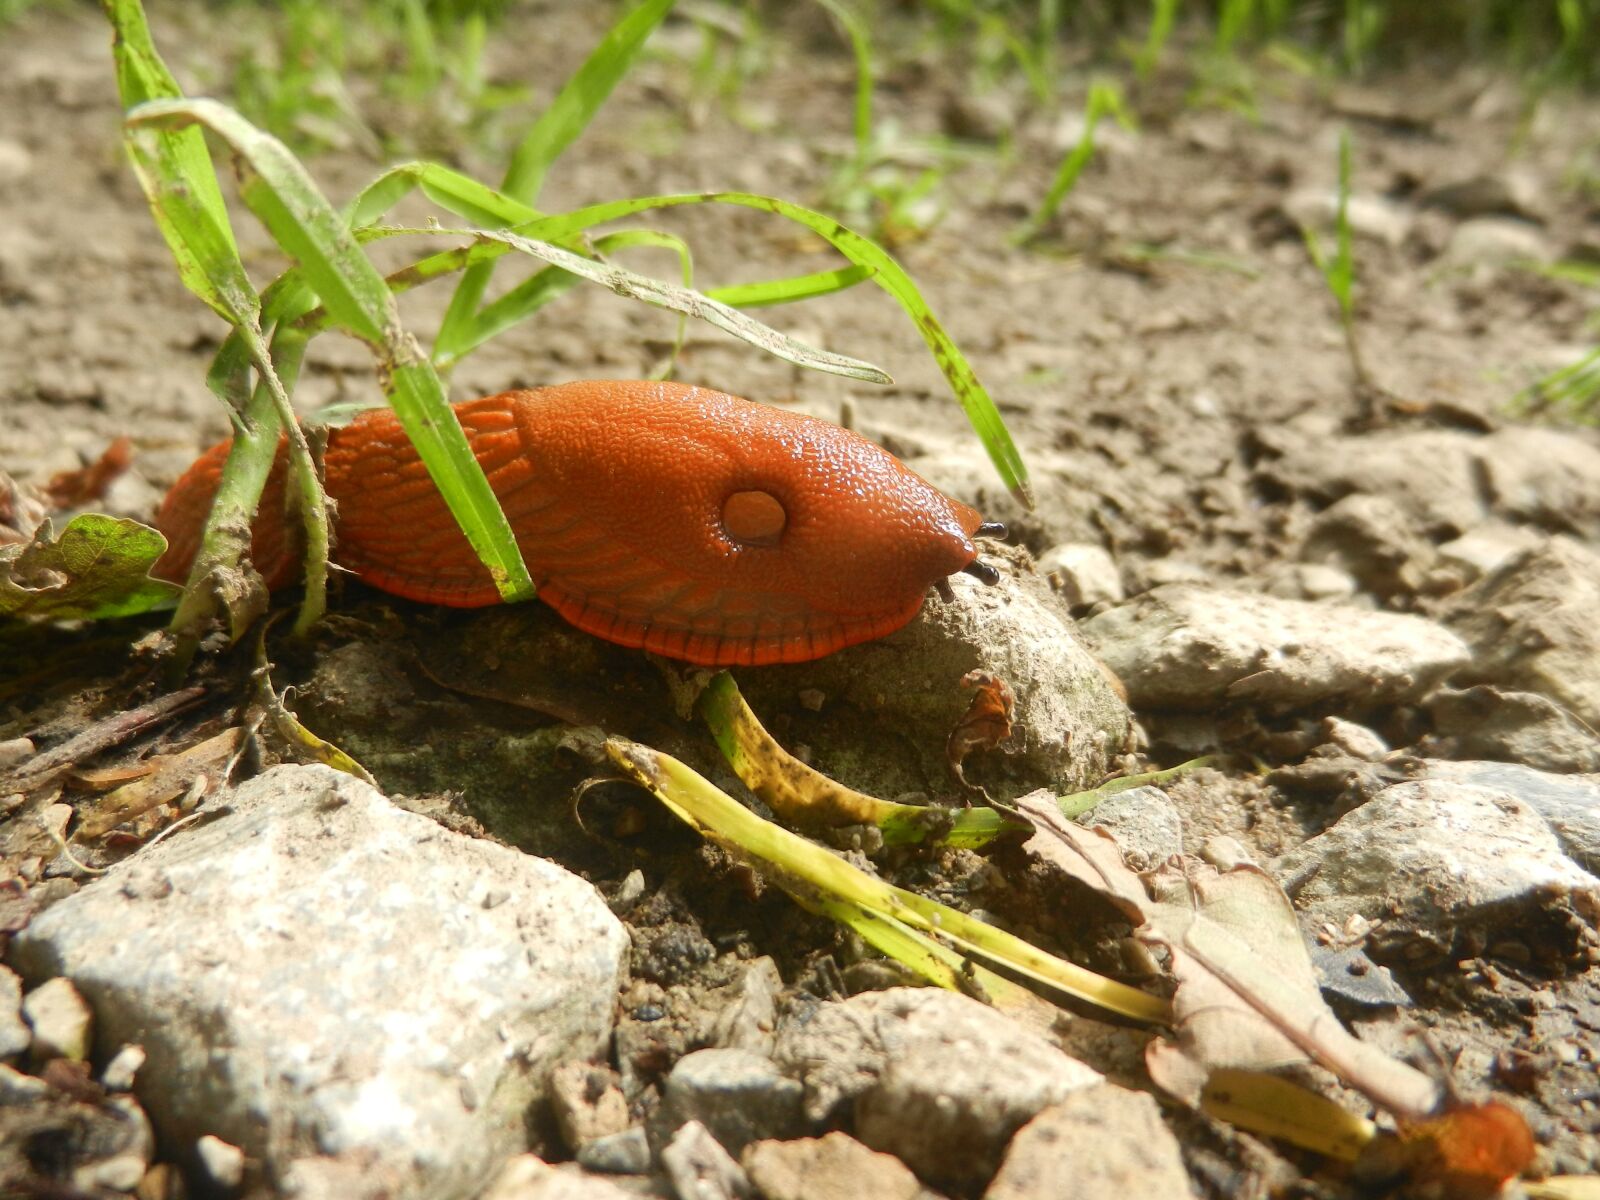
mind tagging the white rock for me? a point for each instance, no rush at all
(123, 1068)
(699, 1167)
(528, 1177)
(1107, 1140)
(1534, 625)
(740, 1096)
(1496, 242)
(1433, 858)
(222, 1162)
(1144, 822)
(939, 1080)
(1083, 573)
(1549, 477)
(832, 1167)
(1570, 804)
(1487, 548)
(315, 967)
(1192, 648)
(15, 1036)
(61, 1020)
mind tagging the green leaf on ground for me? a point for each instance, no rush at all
(99, 567)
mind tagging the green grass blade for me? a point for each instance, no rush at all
(684, 300)
(790, 289)
(887, 274)
(450, 190)
(855, 30)
(278, 189)
(556, 129)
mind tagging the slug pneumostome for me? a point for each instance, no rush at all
(673, 518)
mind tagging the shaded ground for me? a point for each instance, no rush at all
(1168, 359)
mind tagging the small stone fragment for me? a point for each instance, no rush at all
(1083, 573)
(749, 1022)
(1371, 538)
(699, 1167)
(529, 1177)
(123, 1067)
(832, 1167)
(625, 1153)
(939, 1080)
(1355, 740)
(61, 1020)
(1192, 648)
(1145, 823)
(222, 1162)
(121, 1170)
(15, 1035)
(1534, 625)
(588, 1103)
(1486, 548)
(1107, 1140)
(1496, 242)
(1435, 860)
(739, 1095)
(1521, 727)
(14, 751)
(1570, 804)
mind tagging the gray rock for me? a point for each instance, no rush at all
(1370, 538)
(222, 1162)
(939, 1080)
(1546, 477)
(1310, 581)
(1534, 626)
(739, 1095)
(1192, 648)
(1508, 193)
(123, 1069)
(1496, 242)
(60, 1018)
(900, 696)
(750, 1020)
(625, 1153)
(1486, 548)
(529, 1177)
(832, 1167)
(317, 980)
(1369, 216)
(1570, 804)
(1520, 727)
(1356, 741)
(1433, 475)
(1348, 973)
(587, 1102)
(1145, 823)
(986, 117)
(1434, 859)
(14, 1033)
(699, 1167)
(1109, 1141)
(1083, 573)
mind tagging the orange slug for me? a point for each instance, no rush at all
(681, 520)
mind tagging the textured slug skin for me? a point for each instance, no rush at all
(619, 496)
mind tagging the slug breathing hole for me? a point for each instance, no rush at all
(754, 518)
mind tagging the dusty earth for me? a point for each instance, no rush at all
(1166, 356)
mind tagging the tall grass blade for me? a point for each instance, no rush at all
(281, 193)
(556, 129)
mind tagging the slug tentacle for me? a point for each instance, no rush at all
(673, 518)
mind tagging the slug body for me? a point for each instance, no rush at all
(677, 519)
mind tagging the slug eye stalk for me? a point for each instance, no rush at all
(979, 569)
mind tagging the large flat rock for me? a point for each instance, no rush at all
(341, 988)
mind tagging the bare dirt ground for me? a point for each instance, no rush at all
(1168, 359)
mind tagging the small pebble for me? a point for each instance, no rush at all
(61, 1021)
(223, 1162)
(120, 1071)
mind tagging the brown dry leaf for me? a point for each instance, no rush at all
(986, 724)
(171, 775)
(1247, 996)
(72, 488)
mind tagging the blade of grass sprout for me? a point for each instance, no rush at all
(1162, 17)
(1078, 803)
(533, 293)
(1104, 100)
(795, 287)
(1276, 1107)
(281, 193)
(450, 190)
(174, 168)
(1573, 389)
(288, 724)
(556, 129)
(652, 291)
(855, 31)
(804, 796)
(936, 963)
(887, 274)
(797, 862)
